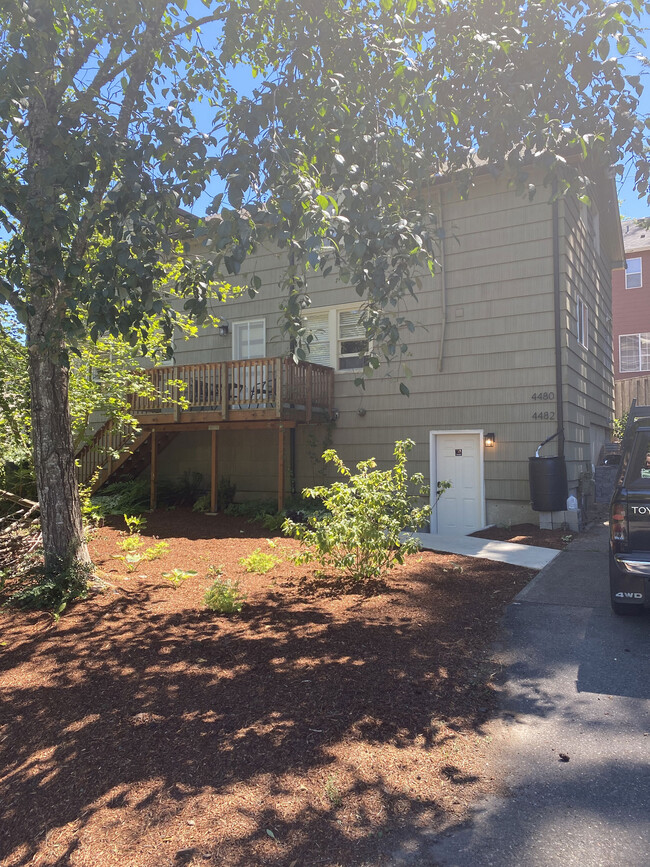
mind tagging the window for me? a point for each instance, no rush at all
(634, 352)
(249, 339)
(583, 322)
(339, 340)
(633, 276)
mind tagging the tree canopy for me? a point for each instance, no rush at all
(359, 102)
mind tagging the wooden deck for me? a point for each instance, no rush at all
(256, 390)
(260, 393)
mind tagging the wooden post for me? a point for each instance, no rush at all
(154, 469)
(213, 473)
(280, 468)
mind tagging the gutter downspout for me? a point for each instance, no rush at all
(443, 284)
(559, 385)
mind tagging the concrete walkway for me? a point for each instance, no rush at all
(572, 742)
(503, 552)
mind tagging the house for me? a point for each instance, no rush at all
(513, 341)
(631, 319)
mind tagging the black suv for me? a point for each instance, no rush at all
(629, 518)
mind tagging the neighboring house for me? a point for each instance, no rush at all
(631, 317)
(514, 339)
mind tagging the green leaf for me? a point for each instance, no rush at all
(623, 44)
(404, 389)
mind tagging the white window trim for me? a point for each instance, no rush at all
(333, 333)
(582, 317)
(639, 272)
(240, 324)
(638, 369)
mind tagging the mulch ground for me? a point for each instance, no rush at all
(527, 534)
(314, 728)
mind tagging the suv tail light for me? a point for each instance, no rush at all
(618, 526)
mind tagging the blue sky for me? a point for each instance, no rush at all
(629, 202)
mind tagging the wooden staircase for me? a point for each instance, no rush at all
(116, 455)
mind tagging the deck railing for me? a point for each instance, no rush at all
(232, 386)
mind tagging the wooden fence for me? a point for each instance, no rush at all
(625, 390)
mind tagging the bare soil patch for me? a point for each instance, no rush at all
(311, 729)
(527, 534)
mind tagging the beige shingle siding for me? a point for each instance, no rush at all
(589, 390)
(498, 350)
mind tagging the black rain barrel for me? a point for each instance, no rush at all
(548, 484)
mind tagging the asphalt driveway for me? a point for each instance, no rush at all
(573, 741)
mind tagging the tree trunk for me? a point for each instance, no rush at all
(46, 237)
(56, 477)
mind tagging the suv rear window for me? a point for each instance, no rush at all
(638, 469)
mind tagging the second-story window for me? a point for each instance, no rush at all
(248, 339)
(633, 275)
(339, 341)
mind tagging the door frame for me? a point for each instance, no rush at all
(433, 471)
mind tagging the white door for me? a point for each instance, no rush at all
(457, 459)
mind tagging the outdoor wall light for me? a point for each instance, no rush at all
(490, 440)
(222, 329)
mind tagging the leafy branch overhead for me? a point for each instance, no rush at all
(361, 107)
(329, 161)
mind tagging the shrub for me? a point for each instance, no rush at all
(55, 590)
(367, 513)
(130, 496)
(187, 490)
(226, 491)
(202, 504)
(224, 597)
(259, 561)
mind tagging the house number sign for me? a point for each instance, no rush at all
(543, 415)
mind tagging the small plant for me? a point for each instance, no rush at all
(135, 523)
(177, 576)
(215, 571)
(130, 544)
(92, 514)
(224, 597)
(361, 532)
(202, 504)
(332, 792)
(133, 561)
(260, 562)
(156, 551)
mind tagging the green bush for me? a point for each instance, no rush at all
(202, 504)
(259, 561)
(129, 496)
(226, 491)
(366, 514)
(224, 597)
(55, 590)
